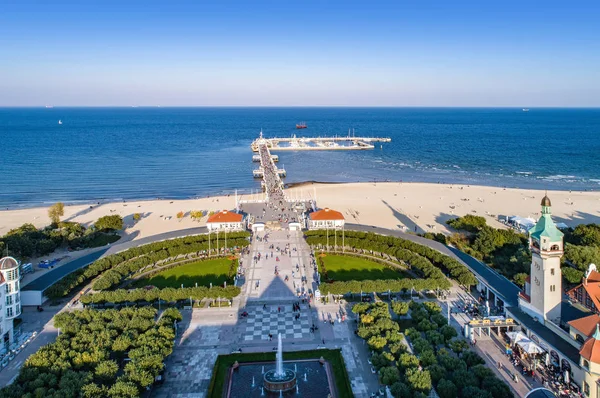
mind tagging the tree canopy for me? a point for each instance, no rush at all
(56, 211)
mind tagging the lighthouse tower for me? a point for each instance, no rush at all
(545, 284)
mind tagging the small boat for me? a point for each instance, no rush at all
(49, 107)
(525, 109)
(60, 122)
(301, 125)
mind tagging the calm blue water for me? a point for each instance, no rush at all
(138, 153)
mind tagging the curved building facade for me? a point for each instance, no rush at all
(10, 297)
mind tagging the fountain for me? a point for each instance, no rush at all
(305, 377)
(253, 383)
(280, 379)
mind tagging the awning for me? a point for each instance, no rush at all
(529, 346)
(516, 336)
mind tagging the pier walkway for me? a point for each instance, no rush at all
(273, 183)
(317, 143)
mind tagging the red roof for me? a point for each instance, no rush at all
(586, 325)
(326, 214)
(591, 350)
(594, 276)
(225, 216)
(593, 290)
(524, 295)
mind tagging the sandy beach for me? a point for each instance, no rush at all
(389, 205)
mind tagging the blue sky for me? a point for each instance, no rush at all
(315, 53)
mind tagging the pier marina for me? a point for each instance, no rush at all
(317, 143)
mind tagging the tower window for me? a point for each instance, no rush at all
(551, 271)
(552, 288)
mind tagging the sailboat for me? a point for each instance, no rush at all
(60, 122)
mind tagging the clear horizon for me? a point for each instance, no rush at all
(313, 54)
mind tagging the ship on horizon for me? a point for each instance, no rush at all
(301, 125)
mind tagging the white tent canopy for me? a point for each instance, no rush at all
(529, 346)
(516, 336)
(522, 222)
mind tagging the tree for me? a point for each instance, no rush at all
(196, 215)
(475, 392)
(56, 211)
(437, 373)
(446, 389)
(106, 371)
(180, 215)
(428, 358)
(407, 361)
(587, 235)
(400, 390)
(389, 375)
(123, 389)
(377, 342)
(467, 223)
(137, 217)
(463, 378)
(572, 275)
(109, 223)
(471, 358)
(448, 332)
(520, 279)
(418, 380)
(458, 345)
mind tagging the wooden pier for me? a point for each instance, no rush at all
(317, 143)
(256, 158)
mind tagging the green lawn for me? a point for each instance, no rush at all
(334, 357)
(346, 268)
(203, 272)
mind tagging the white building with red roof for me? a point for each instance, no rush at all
(326, 219)
(226, 221)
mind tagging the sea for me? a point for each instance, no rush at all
(114, 154)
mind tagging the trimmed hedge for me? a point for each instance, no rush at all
(383, 285)
(427, 261)
(168, 294)
(131, 260)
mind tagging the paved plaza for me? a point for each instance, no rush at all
(260, 323)
(268, 297)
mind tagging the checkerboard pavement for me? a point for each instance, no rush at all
(260, 323)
